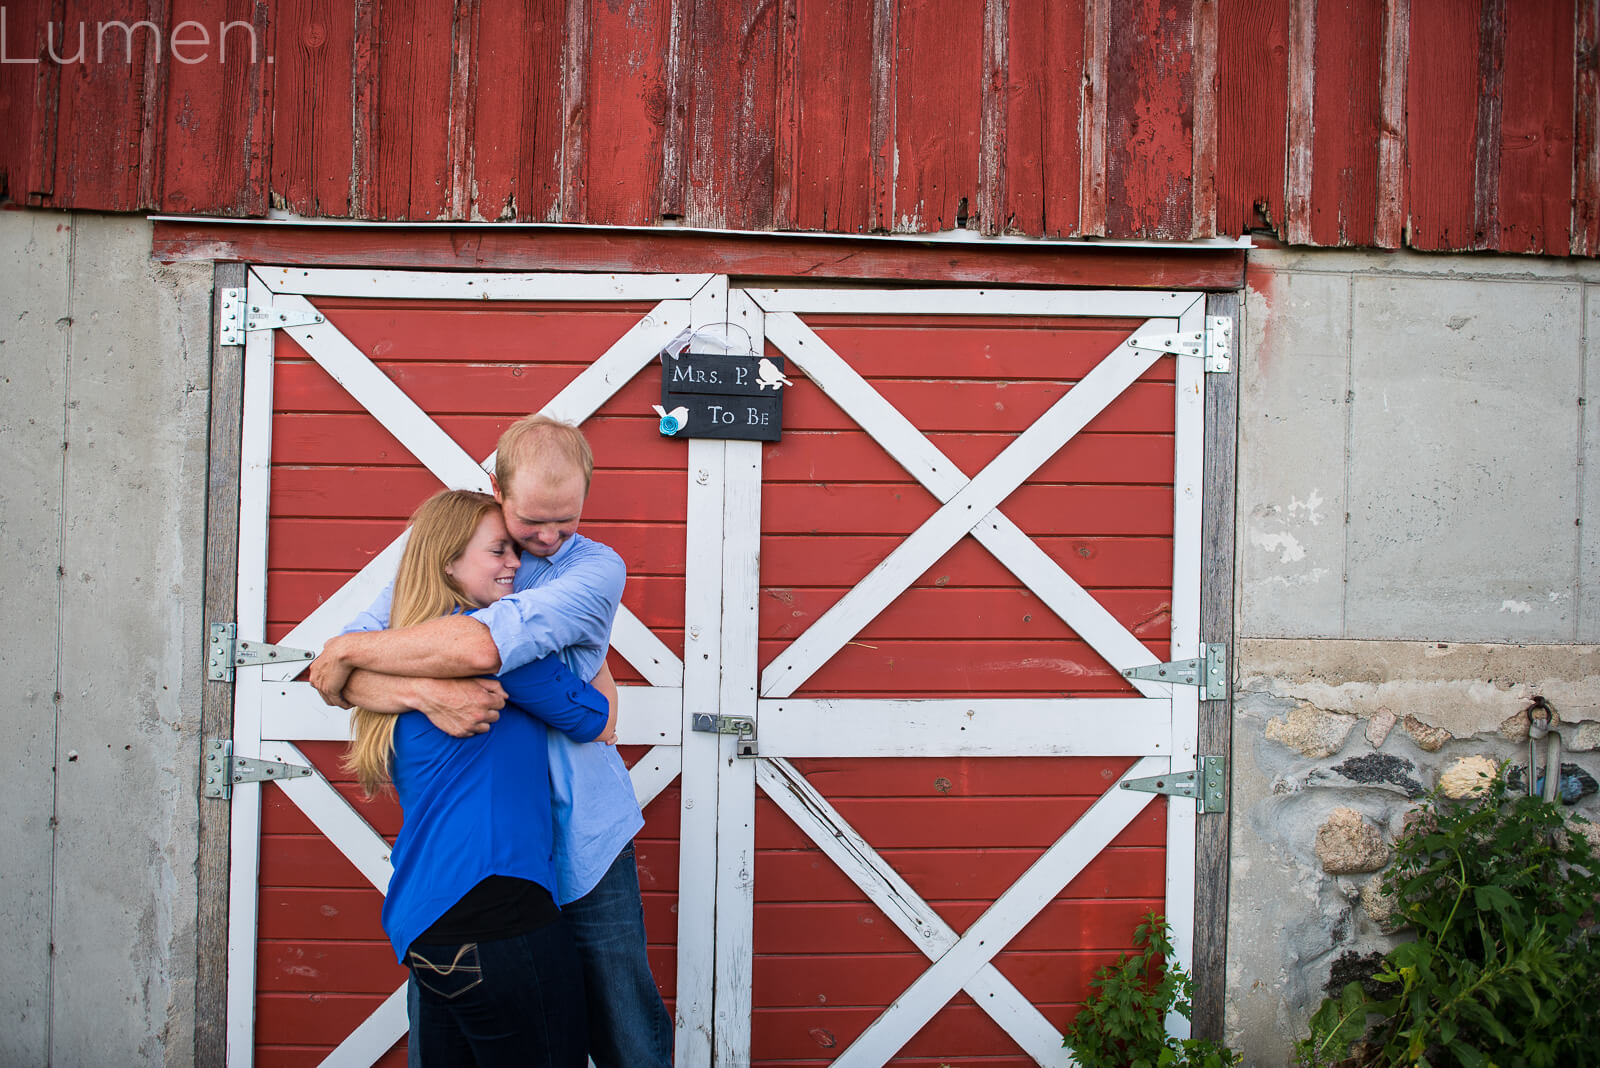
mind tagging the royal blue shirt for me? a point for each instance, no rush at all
(480, 806)
(564, 604)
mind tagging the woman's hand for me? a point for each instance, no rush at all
(607, 686)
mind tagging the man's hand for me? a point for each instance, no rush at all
(331, 670)
(460, 707)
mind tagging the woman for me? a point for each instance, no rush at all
(469, 908)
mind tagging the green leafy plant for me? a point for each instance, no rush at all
(1505, 967)
(1123, 1024)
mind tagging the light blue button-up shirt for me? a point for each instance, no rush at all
(564, 604)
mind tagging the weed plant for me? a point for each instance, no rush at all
(1504, 970)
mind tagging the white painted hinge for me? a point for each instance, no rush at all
(1207, 784)
(226, 652)
(238, 317)
(1214, 344)
(1209, 672)
(743, 726)
(223, 771)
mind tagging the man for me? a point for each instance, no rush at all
(566, 594)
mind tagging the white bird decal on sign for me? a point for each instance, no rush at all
(767, 374)
(673, 421)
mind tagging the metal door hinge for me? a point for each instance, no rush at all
(238, 317)
(1207, 784)
(223, 770)
(1214, 343)
(1210, 672)
(1219, 343)
(743, 726)
(227, 653)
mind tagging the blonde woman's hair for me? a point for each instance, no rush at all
(532, 442)
(440, 530)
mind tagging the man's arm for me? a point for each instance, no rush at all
(459, 707)
(444, 648)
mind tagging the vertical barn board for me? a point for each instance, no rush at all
(102, 80)
(884, 110)
(625, 111)
(1215, 736)
(938, 71)
(214, 152)
(29, 89)
(1585, 228)
(988, 207)
(312, 117)
(1441, 105)
(216, 698)
(1204, 210)
(1536, 131)
(1300, 128)
(1252, 101)
(1488, 132)
(411, 175)
(1391, 209)
(959, 830)
(516, 112)
(1043, 119)
(732, 73)
(1345, 117)
(831, 149)
(1150, 114)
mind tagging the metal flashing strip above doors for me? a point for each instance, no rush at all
(387, 384)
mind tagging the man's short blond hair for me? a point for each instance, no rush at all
(535, 441)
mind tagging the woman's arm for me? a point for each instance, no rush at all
(547, 690)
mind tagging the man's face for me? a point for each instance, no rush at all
(542, 508)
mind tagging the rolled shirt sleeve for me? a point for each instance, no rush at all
(564, 605)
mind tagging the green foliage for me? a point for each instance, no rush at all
(1505, 968)
(1123, 1024)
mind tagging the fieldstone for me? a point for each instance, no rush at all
(1349, 845)
(1379, 726)
(1382, 909)
(1578, 825)
(1514, 728)
(1467, 776)
(1429, 739)
(1311, 731)
(1585, 738)
(1379, 768)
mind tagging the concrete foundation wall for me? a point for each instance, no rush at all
(103, 411)
(1417, 511)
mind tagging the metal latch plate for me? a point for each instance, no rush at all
(227, 653)
(237, 317)
(1214, 343)
(743, 726)
(1206, 784)
(1210, 672)
(223, 770)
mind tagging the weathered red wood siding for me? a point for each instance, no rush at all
(1432, 124)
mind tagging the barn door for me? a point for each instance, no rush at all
(365, 391)
(985, 506)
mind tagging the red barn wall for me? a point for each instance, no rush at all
(1429, 124)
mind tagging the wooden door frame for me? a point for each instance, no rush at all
(228, 244)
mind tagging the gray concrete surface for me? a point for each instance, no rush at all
(106, 353)
(34, 321)
(1411, 442)
(1589, 488)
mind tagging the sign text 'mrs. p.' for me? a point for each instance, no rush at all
(733, 397)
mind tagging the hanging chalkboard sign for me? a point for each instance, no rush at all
(737, 398)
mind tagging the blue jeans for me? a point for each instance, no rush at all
(508, 1002)
(628, 1024)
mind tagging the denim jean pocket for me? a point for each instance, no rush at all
(444, 974)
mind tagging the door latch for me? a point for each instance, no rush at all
(743, 726)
